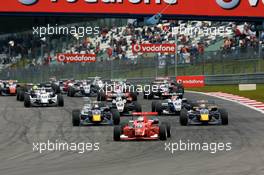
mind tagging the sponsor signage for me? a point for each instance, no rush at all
(221, 8)
(191, 81)
(154, 48)
(76, 58)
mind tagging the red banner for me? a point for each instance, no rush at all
(154, 48)
(232, 8)
(191, 81)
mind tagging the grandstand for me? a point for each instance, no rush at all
(114, 44)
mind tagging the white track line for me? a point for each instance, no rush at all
(216, 95)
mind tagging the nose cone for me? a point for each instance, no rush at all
(139, 132)
(28, 2)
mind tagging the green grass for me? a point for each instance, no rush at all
(233, 89)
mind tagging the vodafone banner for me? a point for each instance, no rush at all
(154, 48)
(221, 8)
(191, 81)
(76, 58)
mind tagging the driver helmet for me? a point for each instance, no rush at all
(96, 106)
(202, 106)
(140, 119)
(43, 90)
(35, 87)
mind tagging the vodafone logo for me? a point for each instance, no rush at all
(191, 81)
(27, 2)
(230, 4)
(154, 48)
(76, 58)
(136, 48)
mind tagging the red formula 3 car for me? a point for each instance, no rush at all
(143, 128)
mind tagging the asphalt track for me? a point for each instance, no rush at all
(20, 127)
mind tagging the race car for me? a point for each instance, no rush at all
(44, 96)
(109, 96)
(114, 87)
(8, 88)
(125, 106)
(81, 88)
(95, 113)
(164, 88)
(203, 112)
(28, 88)
(22, 90)
(142, 128)
(172, 106)
(96, 83)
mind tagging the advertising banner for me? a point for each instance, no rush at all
(221, 8)
(191, 81)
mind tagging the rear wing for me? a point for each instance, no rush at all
(144, 113)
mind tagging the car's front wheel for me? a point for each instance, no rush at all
(224, 116)
(76, 117)
(117, 133)
(184, 117)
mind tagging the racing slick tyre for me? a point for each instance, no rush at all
(71, 92)
(224, 116)
(168, 129)
(137, 107)
(159, 108)
(101, 96)
(153, 106)
(27, 103)
(117, 133)
(184, 117)
(21, 95)
(56, 88)
(60, 100)
(116, 116)
(18, 95)
(76, 117)
(163, 132)
(133, 96)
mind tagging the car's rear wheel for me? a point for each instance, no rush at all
(153, 106)
(117, 133)
(133, 96)
(168, 129)
(163, 132)
(76, 117)
(116, 116)
(18, 95)
(56, 88)
(101, 96)
(27, 103)
(184, 117)
(21, 95)
(71, 92)
(224, 116)
(159, 108)
(60, 100)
